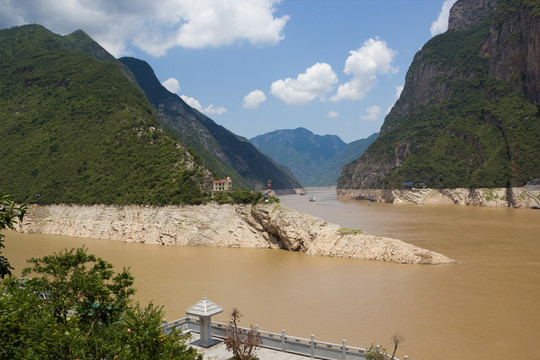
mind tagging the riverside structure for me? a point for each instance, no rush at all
(213, 333)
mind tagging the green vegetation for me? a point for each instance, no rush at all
(9, 215)
(490, 195)
(272, 200)
(374, 353)
(477, 131)
(508, 8)
(76, 307)
(74, 129)
(237, 197)
(350, 231)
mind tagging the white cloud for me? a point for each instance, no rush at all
(399, 89)
(154, 26)
(209, 110)
(172, 85)
(332, 114)
(372, 113)
(253, 99)
(315, 83)
(372, 59)
(194, 103)
(441, 24)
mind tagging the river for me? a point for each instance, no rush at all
(485, 307)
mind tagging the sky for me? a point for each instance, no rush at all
(254, 66)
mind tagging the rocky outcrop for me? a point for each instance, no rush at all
(364, 172)
(466, 14)
(300, 232)
(499, 197)
(261, 226)
(208, 225)
(513, 49)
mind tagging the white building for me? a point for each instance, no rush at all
(223, 185)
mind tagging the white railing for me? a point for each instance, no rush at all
(281, 342)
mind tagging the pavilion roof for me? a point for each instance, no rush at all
(204, 307)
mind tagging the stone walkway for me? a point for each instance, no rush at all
(219, 352)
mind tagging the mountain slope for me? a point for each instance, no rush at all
(315, 160)
(468, 115)
(222, 150)
(74, 129)
(351, 152)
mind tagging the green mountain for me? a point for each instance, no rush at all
(315, 160)
(221, 150)
(351, 152)
(75, 129)
(469, 113)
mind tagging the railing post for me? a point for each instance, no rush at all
(283, 340)
(257, 333)
(344, 350)
(312, 343)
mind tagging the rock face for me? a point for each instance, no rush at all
(314, 236)
(208, 225)
(468, 113)
(261, 226)
(466, 14)
(513, 49)
(500, 197)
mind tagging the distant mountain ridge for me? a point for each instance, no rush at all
(468, 116)
(315, 160)
(223, 151)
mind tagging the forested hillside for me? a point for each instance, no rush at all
(74, 129)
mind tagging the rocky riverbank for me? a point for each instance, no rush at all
(260, 226)
(523, 197)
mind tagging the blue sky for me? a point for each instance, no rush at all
(254, 66)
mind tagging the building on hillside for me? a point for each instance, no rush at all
(223, 185)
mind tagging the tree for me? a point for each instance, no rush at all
(241, 342)
(83, 283)
(76, 306)
(375, 353)
(9, 215)
(396, 340)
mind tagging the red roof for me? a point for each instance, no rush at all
(222, 181)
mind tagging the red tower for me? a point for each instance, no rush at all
(269, 183)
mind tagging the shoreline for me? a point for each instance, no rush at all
(523, 197)
(246, 226)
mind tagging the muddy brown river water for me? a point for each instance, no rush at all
(485, 307)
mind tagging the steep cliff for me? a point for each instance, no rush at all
(468, 116)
